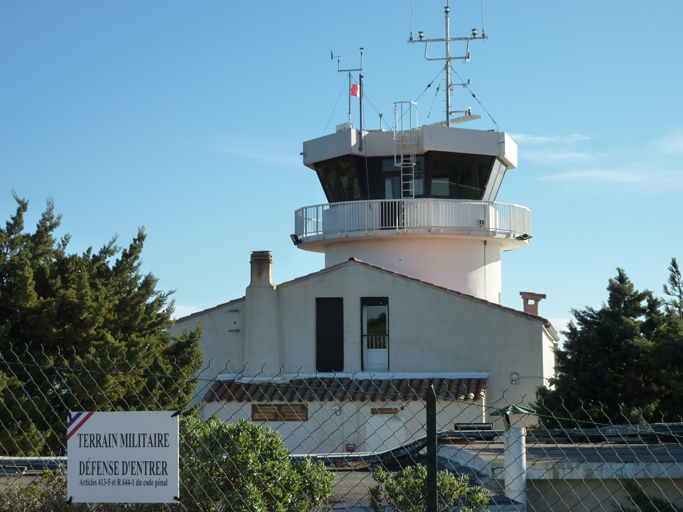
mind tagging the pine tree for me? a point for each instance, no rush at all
(84, 332)
(606, 372)
(674, 290)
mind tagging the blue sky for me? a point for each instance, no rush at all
(188, 118)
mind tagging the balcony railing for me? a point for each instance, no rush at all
(445, 216)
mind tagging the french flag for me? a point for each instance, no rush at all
(78, 419)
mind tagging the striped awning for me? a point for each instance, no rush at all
(346, 389)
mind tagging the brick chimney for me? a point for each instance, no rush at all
(531, 301)
(262, 352)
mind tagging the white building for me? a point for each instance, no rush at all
(409, 296)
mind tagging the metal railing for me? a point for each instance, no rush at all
(445, 215)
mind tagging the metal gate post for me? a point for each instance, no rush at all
(431, 450)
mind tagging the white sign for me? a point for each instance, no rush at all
(122, 457)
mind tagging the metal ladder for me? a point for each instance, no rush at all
(405, 145)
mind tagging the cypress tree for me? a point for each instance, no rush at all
(81, 332)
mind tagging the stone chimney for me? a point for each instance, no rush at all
(262, 351)
(261, 268)
(531, 301)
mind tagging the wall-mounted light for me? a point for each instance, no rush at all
(295, 239)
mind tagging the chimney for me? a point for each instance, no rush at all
(531, 301)
(262, 351)
(261, 268)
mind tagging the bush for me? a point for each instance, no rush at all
(406, 491)
(246, 467)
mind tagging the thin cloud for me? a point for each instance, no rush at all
(555, 156)
(181, 311)
(670, 144)
(644, 176)
(536, 140)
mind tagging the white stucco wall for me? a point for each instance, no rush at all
(430, 330)
(469, 266)
(222, 336)
(332, 425)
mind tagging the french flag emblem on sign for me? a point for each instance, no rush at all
(76, 422)
(355, 90)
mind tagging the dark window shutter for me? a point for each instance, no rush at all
(329, 334)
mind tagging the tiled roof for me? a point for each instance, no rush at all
(346, 389)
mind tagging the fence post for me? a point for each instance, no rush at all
(431, 450)
(515, 466)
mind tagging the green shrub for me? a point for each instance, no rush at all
(406, 491)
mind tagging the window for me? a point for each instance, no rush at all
(375, 333)
(329, 334)
(279, 412)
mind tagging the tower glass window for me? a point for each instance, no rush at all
(436, 174)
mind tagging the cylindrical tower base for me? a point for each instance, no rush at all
(461, 264)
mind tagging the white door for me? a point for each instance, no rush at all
(375, 338)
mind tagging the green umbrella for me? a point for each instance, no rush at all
(511, 409)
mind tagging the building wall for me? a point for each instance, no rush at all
(431, 330)
(469, 266)
(333, 425)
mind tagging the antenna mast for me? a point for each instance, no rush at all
(340, 70)
(449, 57)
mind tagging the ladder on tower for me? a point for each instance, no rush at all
(405, 146)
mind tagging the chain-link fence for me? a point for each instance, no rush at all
(347, 442)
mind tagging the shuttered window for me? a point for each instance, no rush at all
(329, 334)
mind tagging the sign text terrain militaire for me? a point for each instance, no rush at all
(109, 452)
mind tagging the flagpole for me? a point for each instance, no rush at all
(360, 92)
(340, 70)
(350, 85)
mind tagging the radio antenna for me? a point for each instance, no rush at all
(449, 57)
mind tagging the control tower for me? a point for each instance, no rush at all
(418, 200)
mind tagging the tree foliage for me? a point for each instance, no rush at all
(81, 332)
(622, 363)
(674, 290)
(406, 491)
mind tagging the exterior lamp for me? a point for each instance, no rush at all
(295, 239)
(474, 32)
(421, 34)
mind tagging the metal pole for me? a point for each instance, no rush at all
(350, 96)
(432, 501)
(360, 92)
(448, 70)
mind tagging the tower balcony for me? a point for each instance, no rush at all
(323, 224)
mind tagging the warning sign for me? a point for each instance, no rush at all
(122, 457)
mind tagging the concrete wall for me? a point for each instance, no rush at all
(590, 495)
(332, 425)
